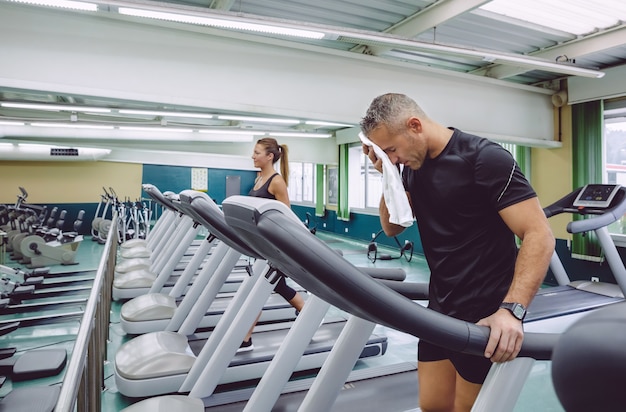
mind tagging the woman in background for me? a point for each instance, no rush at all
(272, 185)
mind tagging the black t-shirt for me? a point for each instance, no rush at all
(469, 249)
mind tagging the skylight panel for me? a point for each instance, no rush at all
(578, 17)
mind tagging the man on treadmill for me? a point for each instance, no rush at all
(470, 199)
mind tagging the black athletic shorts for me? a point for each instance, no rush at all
(471, 368)
(284, 290)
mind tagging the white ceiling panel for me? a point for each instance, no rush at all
(532, 43)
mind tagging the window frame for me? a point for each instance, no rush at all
(365, 188)
(299, 183)
(614, 109)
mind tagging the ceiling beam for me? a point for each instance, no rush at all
(424, 20)
(573, 49)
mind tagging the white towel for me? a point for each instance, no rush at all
(400, 212)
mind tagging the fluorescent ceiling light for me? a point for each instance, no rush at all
(148, 134)
(234, 138)
(222, 22)
(168, 114)
(72, 125)
(6, 123)
(296, 134)
(258, 119)
(65, 4)
(29, 147)
(156, 129)
(55, 107)
(382, 39)
(318, 123)
(232, 132)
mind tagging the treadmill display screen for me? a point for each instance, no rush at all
(596, 195)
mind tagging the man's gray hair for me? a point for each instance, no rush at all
(391, 110)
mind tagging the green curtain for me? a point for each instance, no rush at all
(343, 210)
(521, 154)
(522, 157)
(587, 122)
(319, 190)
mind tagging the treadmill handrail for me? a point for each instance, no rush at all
(157, 196)
(210, 216)
(317, 268)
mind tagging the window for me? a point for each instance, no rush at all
(615, 145)
(366, 184)
(510, 147)
(615, 151)
(614, 171)
(301, 186)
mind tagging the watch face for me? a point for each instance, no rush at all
(518, 311)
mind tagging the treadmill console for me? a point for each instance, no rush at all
(596, 196)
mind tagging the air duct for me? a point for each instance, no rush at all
(559, 99)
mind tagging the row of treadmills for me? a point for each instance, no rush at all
(190, 304)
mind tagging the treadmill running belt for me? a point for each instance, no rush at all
(394, 392)
(564, 300)
(266, 344)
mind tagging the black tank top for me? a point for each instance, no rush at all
(263, 191)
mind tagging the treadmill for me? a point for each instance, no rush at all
(165, 362)
(250, 216)
(601, 205)
(160, 311)
(165, 266)
(323, 273)
(161, 225)
(315, 266)
(151, 255)
(143, 248)
(271, 227)
(138, 253)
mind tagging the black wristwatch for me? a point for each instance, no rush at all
(517, 309)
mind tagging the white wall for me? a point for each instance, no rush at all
(98, 56)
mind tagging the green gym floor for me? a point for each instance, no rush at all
(60, 331)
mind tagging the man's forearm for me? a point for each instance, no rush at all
(531, 267)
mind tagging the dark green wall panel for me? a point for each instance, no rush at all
(178, 178)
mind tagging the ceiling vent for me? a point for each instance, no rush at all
(54, 151)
